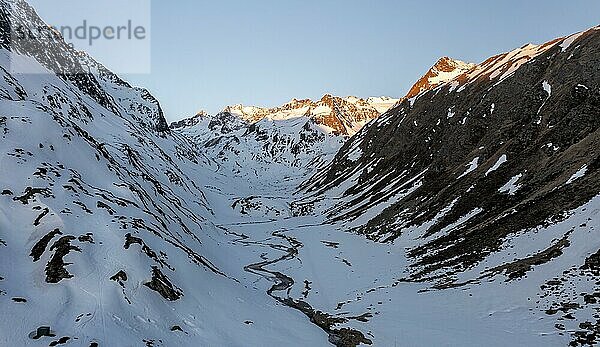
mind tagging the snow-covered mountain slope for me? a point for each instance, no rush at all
(280, 148)
(493, 174)
(290, 140)
(107, 235)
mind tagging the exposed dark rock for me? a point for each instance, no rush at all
(36, 222)
(592, 263)
(247, 204)
(580, 92)
(40, 246)
(55, 269)
(83, 207)
(344, 337)
(331, 244)
(109, 209)
(588, 336)
(176, 328)
(119, 277)
(157, 114)
(30, 194)
(130, 240)
(60, 341)
(88, 237)
(161, 284)
(42, 331)
(520, 267)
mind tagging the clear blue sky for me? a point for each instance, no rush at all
(208, 54)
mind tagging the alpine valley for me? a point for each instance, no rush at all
(466, 213)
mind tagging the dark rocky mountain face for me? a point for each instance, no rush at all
(464, 172)
(535, 128)
(344, 115)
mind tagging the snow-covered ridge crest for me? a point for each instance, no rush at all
(499, 67)
(503, 65)
(344, 115)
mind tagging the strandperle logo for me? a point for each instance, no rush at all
(85, 32)
(116, 33)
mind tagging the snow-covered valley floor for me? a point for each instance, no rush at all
(117, 230)
(347, 276)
